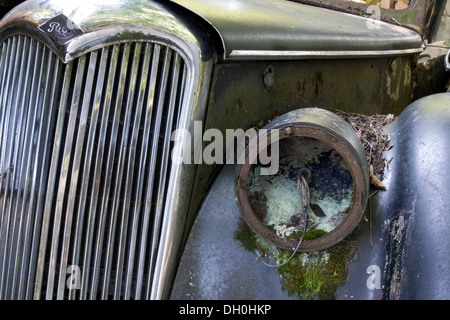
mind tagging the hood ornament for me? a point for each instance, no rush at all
(61, 29)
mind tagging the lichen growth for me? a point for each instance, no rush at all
(282, 200)
(276, 198)
(336, 209)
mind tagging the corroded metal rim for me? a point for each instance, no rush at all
(360, 192)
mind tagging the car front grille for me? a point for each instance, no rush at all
(85, 151)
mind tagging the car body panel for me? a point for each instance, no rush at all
(407, 237)
(417, 16)
(283, 29)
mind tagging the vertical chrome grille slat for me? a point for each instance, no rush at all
(87, 167)
(18, 136)
(147, 202)
(96, 188)
(111, 157)
(130, 168)
(9, 64)
(79, 144)
(86, 173)
(46, 112)
(5, 62)
(152, 165)
(164, 164)
(8, 180)
(35, 116)
(155, 145)
(41, 171)
(145, 110)
(23, 186)
(51, 184)
(3, 72)
(63, 178)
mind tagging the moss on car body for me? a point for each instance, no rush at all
(314, 275)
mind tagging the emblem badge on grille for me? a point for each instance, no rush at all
(61, 29)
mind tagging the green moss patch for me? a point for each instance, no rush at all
(246, 236)
(315, 275)
(314, 234)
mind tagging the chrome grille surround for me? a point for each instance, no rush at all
(88, 197)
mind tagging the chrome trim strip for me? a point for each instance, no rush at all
(274, 54)
(170, 238)
(155, 144)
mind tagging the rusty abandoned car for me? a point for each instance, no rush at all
(132, 158)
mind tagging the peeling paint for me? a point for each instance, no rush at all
(398, 235)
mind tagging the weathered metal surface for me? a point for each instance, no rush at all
(413, 17)
(431, 74)
(284, 29)
(406, 238)
(419, 224)
(240, 97)
(214, 265)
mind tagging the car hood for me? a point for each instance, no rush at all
(280, 28)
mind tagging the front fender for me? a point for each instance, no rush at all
(411, 218)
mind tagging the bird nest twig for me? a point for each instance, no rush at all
(374, 140)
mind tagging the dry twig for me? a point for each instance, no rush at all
(375, 141)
